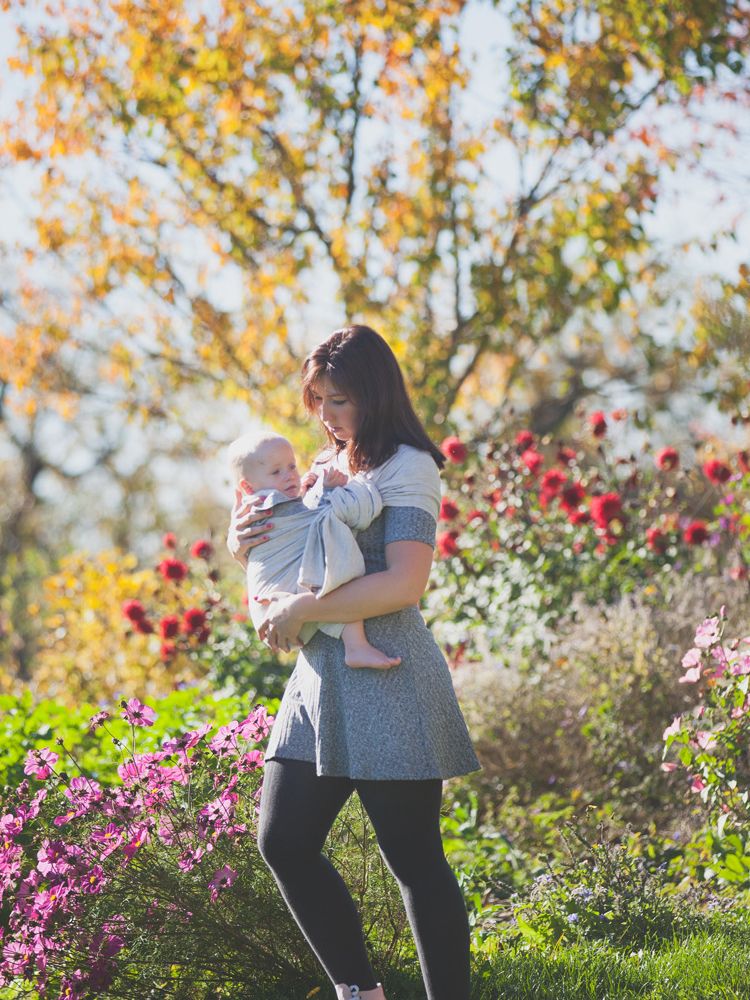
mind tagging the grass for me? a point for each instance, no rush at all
(711, 965)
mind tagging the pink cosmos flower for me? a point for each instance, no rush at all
(705, 739)
(140, 837)
(39, 763)
(223, 879)
(108, 836)
(187, 740)
(191, 857)
(226, 739)
(250, 761)
(692, 657)
(673, 728)
(93, 881)
(669, 766)
(97, 720)
(691, 676)
(697, 783)
(257, 725)
(137, 714)
(742, 666)
(707, 633)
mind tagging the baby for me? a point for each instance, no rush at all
(263, 464)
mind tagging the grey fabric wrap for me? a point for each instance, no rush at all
(311, 549)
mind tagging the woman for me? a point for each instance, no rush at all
(393, 735)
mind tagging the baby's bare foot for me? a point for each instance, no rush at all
(369, 656)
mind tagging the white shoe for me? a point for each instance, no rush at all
(344, 992)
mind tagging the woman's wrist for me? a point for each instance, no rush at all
(304, 607)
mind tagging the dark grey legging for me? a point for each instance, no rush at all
(297, 810)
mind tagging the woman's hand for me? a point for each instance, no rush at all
(283, 620)
(245, 528)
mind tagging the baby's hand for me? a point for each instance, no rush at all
(307, 481)
(332, 477)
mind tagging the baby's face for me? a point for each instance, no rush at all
(275, 468)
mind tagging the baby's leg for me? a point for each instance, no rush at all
(359, 653)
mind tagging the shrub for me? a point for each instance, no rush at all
(529, 524)
(585, 723)
(605, 893)
(152, 884)
(710, 743)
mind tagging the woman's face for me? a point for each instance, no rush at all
(336, 410)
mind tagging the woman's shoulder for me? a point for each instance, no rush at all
(407, 457)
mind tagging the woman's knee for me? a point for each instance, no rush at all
(278, 848)
(412, 861)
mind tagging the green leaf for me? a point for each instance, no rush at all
(528, 931)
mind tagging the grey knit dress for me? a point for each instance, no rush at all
(404, 722)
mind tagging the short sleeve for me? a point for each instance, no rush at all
(408, 524)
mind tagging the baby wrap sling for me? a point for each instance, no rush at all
(314, 549)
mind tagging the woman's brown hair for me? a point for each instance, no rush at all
(362, 366)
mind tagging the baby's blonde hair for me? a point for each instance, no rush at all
(244, 450)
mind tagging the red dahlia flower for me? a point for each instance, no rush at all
(598, 423)
(579, 517)
(571, 496)
(552, 482)
(193, 620)
(566, 455)
(172, 569)
(202, 549)
(133, 610)
(524, 440)
(743, 460)
(667, 459)
(446, 543)
(448, 509)
(533, 460)
(605, 508)
(169, 541)
(717, 471)
(169, 626)
(167, 651)
(454, 449)
(144, 626)
(656, 540)
(695, 533)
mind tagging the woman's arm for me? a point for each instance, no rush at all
(399, 586)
